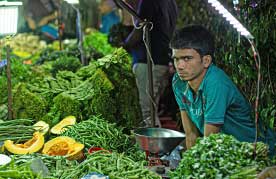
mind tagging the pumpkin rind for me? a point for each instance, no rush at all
(42, 127)
(31, 146)
(59, 128)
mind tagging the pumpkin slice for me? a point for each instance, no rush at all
(59, 128)
(42, 127)
(31, 146)
(63, 146)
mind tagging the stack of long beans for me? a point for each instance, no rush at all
(17, 130)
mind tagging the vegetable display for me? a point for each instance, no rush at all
(98, 41)
(27, 104)
(31, 146)
(58, 128)
(17, 129)
(114, 165)
(63, 146)
(98, 132)
(41, 126)
(218, 156)
(56, 165)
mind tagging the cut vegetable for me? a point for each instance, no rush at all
(63, 146)
(42, 127)
(31, 146)
(59, 128)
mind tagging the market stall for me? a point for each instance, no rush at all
(69, 109)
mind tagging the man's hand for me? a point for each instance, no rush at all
(31, 23)
(190, 129)
(269, 172)
(191, 140)
(211, 129)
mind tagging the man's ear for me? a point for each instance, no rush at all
(207, 60)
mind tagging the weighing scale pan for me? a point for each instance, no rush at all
(158, 140)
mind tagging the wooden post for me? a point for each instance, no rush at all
(60, 29)
(9, 83)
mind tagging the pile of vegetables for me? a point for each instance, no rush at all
(25, 44)
(55, 86)
(220, 156)
(118, 69)
(97, 132)
(52, 167)
(27, 104)
(105, 85)
(114, 165)
(20, 73)
(98, 42)
(17, 129)
(18, 171)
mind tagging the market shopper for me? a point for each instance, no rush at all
(41, 16)
(163, 15)
(109, 15)
(208, 99)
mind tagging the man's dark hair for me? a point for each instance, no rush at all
(194, 37)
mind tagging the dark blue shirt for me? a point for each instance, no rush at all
(163, 15)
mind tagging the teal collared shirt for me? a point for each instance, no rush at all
(218, 101)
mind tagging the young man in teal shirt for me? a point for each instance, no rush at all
(209, 101)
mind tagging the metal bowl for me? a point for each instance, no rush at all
(158, 140)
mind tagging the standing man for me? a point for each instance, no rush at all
(163, 15)
(208, 99)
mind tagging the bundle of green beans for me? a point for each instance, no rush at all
(97, 132)
(262, 150)
(17, 129)
(245, 173)
(13, 171)
(56, 165)
(114, 165)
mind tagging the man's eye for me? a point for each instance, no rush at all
(186, 59)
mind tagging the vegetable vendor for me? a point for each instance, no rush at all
(209, 101)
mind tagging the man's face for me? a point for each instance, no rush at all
(104, 7)
(188, 63)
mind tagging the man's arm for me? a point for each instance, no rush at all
(211, 129)
(45, 20)
(190, 129)
(31, 23)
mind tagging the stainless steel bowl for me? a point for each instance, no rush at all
(158, 140)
